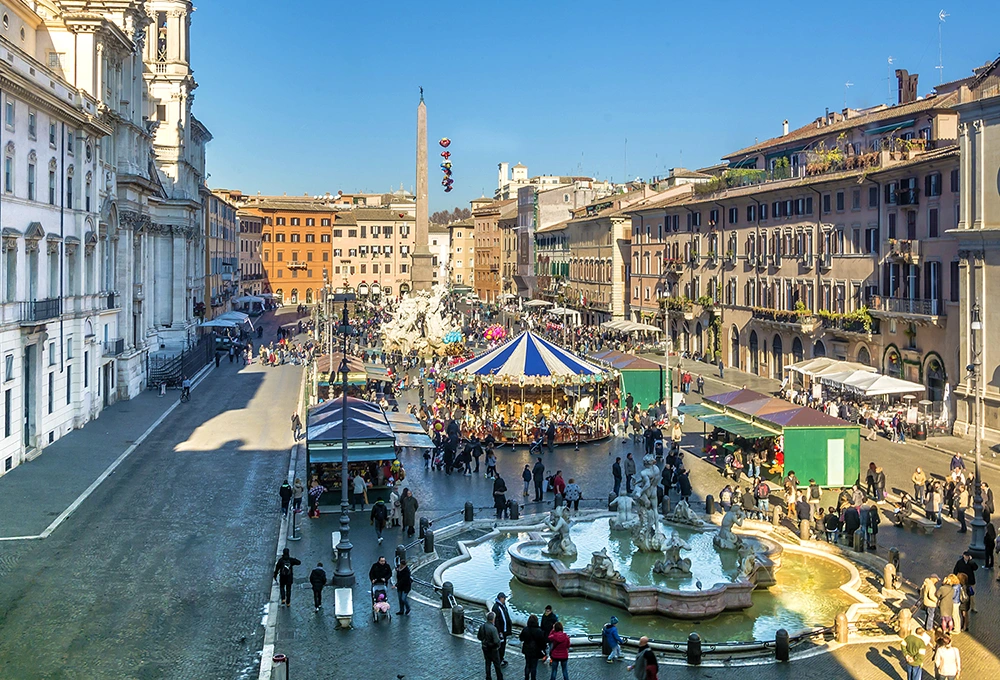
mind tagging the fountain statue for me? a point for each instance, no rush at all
(625, 519)
(602, 567)
(726, 539)
(672, 560)
(683, 514)
(560, 545)
(748, 561)
(420, 322)
(647, 534)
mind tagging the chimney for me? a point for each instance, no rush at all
(784, 128)
(907, 86)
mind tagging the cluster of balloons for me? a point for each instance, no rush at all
(446, 181)
(495, 332)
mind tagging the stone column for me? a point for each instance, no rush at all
(421, 274)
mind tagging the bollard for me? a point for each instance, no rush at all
(776, 515)
(781, 645)
(513, 509)
(295, 535)
(558, 501)
(888, 578)
(905, 622)
(447, 593)
(429, 541)
(694, 650)
(858, 542)
(805, 529)
(458, 620)
(425, 524)
(611, 500)
(400, 553)
(469, 511)
(665, 505)
(163, 393)
(840, 630)
(279, 669)
(709, 504)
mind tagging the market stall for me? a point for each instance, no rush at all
(529, 380)
(641, 378)
(813, 444)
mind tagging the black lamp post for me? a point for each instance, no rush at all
(343, 576)
(977, 547)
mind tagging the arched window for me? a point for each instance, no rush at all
(279, 294)
(777, 358)
(893, 364)
(819, 349)
(936, 379)
(295, 296)
(697, 338)
(864, 356)
(734, 350)
(754, 356)
(797, 352)
(309, 296)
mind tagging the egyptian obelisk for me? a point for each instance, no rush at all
(422, 270)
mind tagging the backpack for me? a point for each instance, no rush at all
(286, 569)
(380, 511)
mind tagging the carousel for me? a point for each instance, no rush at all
(528, 382)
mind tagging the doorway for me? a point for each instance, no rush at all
(30, 395)
(106, 370)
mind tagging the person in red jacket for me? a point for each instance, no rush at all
(558, 485)
(560, 650)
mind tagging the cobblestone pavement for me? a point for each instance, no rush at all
(163, 571)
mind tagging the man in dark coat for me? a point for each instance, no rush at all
(503, 624)
(538, 476)
(499, 495)
(550, 435)
(317, 579)
(408, 508)
(616, 472)
(283, 575)
(629, 472)
(965, 565)
(285, 493)
(852, 522)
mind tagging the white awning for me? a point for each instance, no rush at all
(248, 299)
(219, 323)
(537, 303)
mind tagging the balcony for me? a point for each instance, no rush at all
(906, 308)
(296, 264)
(903, 250)
(907, 198)
(114, 347)
(826, 261)
(673, 265)
(36, 312)
(112, 300)
(853, 324)
(803, 321)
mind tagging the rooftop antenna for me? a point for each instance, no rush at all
(888, 81)
(846, 85)
(942, 15)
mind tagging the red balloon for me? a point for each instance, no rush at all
(445, 142)
(446, 154)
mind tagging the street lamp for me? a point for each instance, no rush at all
(343, 576)
(977, 547)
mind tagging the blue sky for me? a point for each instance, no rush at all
(322, 97)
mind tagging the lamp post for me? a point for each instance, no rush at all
(977, 547)
(343, 576)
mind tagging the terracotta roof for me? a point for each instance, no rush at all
(876, 115)
(381, 215)
(437, 229)
(492, 206)
(558, 226)
(660, 201)
(684, 173)
(345, 218)
(290, 206)
(462, 223)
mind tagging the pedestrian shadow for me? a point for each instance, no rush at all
(886, 661)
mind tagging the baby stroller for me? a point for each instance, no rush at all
(381, 609)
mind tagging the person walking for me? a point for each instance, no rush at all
(721, 368)
(616, 474)
(379, 516)
(298, 490)
(283, 574)
(285, 492)
(538, 475)
(946, 597)
(408, 506)
(296, 425)
(534, 645)
(613, 639)
(317, 579)
(929, 599)
(560, 650)
(871, 490)
(914, 651)
(947, 660)
(573, 494)
(526, 478)
(644, 659)
(919, 480)
(629, 472)
(503, 624)
(489, 636)
(360, 487)
(316, 491)
(499, 495)
(403, 586)
(491, 464)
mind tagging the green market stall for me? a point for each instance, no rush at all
(815, 445)
(641, 378)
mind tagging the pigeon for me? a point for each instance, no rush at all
(697, 584)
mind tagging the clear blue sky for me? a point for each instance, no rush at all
(320, 95)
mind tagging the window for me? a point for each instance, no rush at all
(809, 205)
(31, 181)
(840, 201)
(86, 196)
(280, 221)
(6, 417)
(325, 222)
(8, 373)
(69, 142)
(388, 268)
(954, 181)
(8, 113)
(751, 213)
(326, 256)
(954, 281)
(69, 384)
(324, 238)
(295, 221)
(826, 203)
(364, 268)
(337, 252)
(932, 223)
(52, 135)
(352, 233)
(713, 217)
(265, 238)
(932, 184)
(8, 175)
(309, 256)
(295, 256)
(279, 238)
(310, 238)
(294, 238)
(338, 233)
(763, 211)
(872, 197)
(69, 191)
(734, 214)
(856, 199)
(871, 241)
(310, 222)
(52, 391)
(892, 225)
(402, 269)
(32, 125)
(281, 256)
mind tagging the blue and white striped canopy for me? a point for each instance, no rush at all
(530, 356)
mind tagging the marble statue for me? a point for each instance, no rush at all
(683, 514)
(419, 322)
(647, 534)
(602, 567)
(748, 561)
(672, 560)
(625, 519)
(726, 539)
(560, 545)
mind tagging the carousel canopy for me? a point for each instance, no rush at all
(530, 356)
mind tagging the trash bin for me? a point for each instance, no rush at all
(920, 431)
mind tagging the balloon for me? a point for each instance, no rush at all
(446, 154)
(445, 142)
(447, 189)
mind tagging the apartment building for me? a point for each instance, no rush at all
(486, 217)
(222, 259)
(250, 246)
(440, 246)
(829, 240)
(463, 253)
